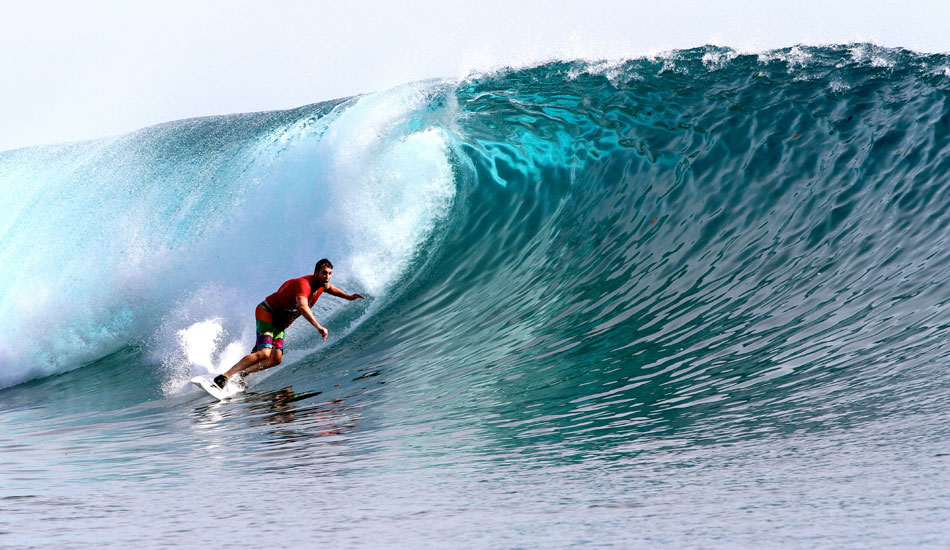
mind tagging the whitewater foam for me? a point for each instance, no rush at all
(393, 182)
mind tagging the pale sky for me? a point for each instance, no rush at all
(78, 70)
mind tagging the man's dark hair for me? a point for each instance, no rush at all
(321, 263)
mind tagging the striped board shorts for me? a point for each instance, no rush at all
(267, 334)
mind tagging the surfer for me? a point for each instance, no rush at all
(294, 298)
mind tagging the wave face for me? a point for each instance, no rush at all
(701, 278)
(708, 241)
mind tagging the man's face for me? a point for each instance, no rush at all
(324, 274)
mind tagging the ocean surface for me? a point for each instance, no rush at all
(698, 300)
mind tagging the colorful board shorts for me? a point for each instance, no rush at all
(267, 334)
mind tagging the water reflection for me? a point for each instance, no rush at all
(278, 406)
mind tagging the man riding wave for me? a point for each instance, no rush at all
(293, 299)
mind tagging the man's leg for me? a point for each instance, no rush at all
(250, 361)
(256, 357)
(268, 337)
(272, 361)
(274, 342)
(266, 354)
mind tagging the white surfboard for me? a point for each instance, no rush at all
(231, 389)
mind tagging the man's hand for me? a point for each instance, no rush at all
(355, 296)
(323, 331)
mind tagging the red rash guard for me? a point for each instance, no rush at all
(283, 303)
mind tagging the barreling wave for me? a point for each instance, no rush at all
(156, 239)
(574, 250)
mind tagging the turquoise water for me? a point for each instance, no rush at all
(696, 300)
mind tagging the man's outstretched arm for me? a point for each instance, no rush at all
(336, 291)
